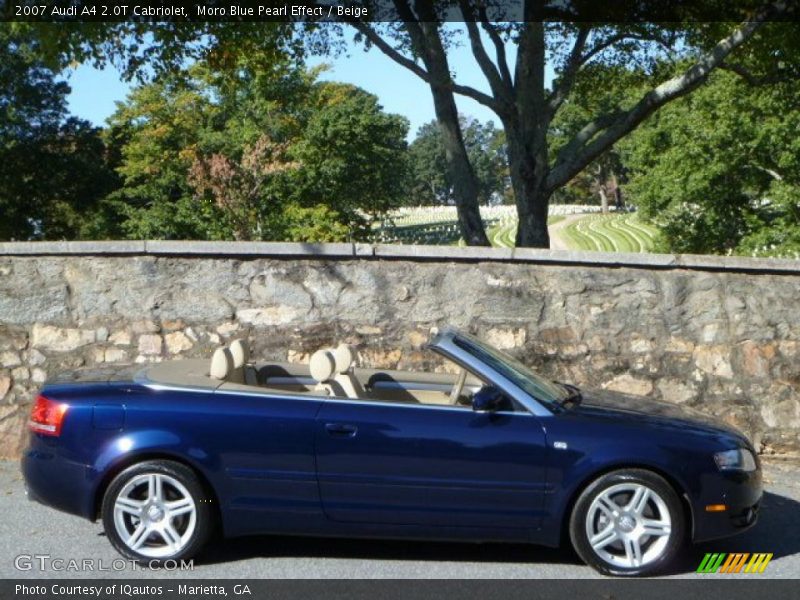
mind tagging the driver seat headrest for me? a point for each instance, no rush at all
(343, 357)
(221, 364)
(240, 353)
(322, 366)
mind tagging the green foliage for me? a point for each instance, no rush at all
(601, 89)
(53, 169)
(156, 132)
(265, 154)
(719, 171)
(353, 155)
(430, 182)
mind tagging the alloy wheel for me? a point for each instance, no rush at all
(628, 525)
(155, 515)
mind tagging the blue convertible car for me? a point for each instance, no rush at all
(493, 452)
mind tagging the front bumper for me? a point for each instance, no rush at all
(740, 492)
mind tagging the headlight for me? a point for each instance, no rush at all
(735, 460)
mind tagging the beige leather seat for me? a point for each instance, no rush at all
(343, 357)
(322, 366)
(221, 364)
(243, 372)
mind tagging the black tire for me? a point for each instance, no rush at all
(605, 559)
(191, 538)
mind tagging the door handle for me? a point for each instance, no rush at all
(341, 429)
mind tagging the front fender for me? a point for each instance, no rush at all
(570, 471)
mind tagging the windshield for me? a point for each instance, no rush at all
(544, 390)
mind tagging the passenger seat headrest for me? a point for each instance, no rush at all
(343, 355)
(322, 365)
(240, 352)
(221, 364)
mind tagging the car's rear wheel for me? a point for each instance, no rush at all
(157, 510)
(628, 522)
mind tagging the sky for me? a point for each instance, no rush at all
(94, 91)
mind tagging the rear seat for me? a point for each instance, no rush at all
(233, 364)
(243, 371)
(343, 358)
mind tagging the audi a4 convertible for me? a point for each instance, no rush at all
(168, 453)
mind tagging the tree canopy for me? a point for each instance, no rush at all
(271, 155)
(431, 182)
(527, 105)
(719, 171)
(53, 169)
(247, 143)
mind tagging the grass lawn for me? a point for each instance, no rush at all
(610, 233)
(502, 235)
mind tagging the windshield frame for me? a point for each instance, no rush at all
(469, 354)
(543, 390)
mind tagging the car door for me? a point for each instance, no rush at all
(412, 464)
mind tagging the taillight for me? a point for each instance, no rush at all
(47, 416)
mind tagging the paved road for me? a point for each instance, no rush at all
(30, 529)
(557, 241)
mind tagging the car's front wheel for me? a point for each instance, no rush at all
(628, 522)
(155, 511)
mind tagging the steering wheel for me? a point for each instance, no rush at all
(455, 393)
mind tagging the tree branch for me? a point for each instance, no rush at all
(499, 47)
(420, 72)
(479, 52)
(750, 77)
(576, 59)
(586, 146)
(576, 63)
(389, 51)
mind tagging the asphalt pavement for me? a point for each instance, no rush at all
(31, 531)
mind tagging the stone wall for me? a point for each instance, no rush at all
(721, 335)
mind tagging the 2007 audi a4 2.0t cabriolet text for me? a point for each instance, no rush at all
(164, 454)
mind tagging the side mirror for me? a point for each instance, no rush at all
(487, 399)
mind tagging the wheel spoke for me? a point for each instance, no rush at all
(633, 552)
(639, 500)
(138, 537)
(608, 506)
(656, 528)
(604, 537)
(129, 505)
(155, 487)
(179, 507)
(171, 536)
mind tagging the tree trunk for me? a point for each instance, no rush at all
(603, 199)
(459, 169)
(530, 194)
(532, 231)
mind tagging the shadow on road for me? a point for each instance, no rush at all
(778, 531)
(308, 547)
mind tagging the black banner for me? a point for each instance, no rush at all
(739, 588)
(177, 11)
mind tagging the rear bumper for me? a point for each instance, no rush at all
(58, 483)
(740, 492)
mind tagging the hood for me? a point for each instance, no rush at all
(614, 405)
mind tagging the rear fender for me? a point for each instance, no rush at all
(126, 449)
